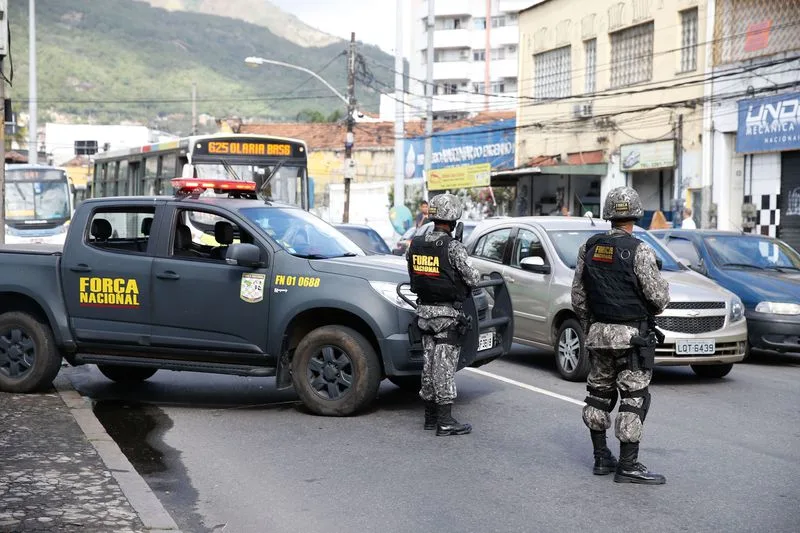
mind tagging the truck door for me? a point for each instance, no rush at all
(201, 302)
(106, 276)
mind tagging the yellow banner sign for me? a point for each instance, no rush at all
(460, 177)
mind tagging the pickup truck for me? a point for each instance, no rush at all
(137, 288)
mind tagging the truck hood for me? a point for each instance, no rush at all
(754, 286)
(370, 267)
(688, 286)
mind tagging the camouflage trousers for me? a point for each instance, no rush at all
(605, 377)
(439, 369)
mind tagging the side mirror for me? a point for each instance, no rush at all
(659, 263)
(459, 234)
(72, 188)
(244, 254)
(534, 264)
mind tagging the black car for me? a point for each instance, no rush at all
(365, 237)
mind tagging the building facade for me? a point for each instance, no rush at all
(753, 172)
(475, 48)
(610, 93)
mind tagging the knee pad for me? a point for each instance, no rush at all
(604, 400)
(640, 411)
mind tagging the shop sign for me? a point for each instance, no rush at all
(647, 156)
(769, 124)
(463, 177)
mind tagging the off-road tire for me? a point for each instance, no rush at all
(36, 359)
(322, 346)
(713, 371)
(126, 374)
(571, 371)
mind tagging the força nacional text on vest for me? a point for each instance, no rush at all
(425, 264)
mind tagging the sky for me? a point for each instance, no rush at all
(372, 20)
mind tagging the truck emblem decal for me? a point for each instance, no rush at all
(120, 293)
(252, 287)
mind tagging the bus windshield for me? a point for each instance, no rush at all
(37, 195)
(285, 184)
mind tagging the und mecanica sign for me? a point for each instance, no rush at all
(769, 124)
(492, 143)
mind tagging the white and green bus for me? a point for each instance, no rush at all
(39, 204)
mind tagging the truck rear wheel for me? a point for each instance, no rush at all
(126, 374)
(29, 359)
(335, 371)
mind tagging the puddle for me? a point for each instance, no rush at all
(138, 430)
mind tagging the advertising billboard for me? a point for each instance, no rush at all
(769, 124)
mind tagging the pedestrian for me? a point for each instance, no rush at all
(688, 221)
(442, 279)
(422, 216)
(616, 292)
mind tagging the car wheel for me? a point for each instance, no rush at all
(126, 374)
(335, 371)
(571, 358)
(407, 383)
(29, 360)
(712, 371)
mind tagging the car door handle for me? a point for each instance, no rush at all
(169, 275)
(82, 267)
(509, 279)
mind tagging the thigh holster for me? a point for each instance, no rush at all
(640, 411)
(604, 400)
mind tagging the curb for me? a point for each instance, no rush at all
(134, 487)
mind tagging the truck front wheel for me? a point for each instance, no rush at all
(29, 360)
(335, 371)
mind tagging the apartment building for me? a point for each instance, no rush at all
(475, 62)
(610, 93)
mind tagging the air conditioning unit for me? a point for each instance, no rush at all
(583, 110)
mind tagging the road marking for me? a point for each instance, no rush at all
(526, 386)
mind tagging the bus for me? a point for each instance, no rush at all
(39, 204)
(277, 165)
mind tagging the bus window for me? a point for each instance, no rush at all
(38, 204)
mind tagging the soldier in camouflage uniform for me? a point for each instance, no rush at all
(442, 278)
(616, 292)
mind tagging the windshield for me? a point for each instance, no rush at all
(567, 244)
(300, 233)
(367, 239)
(37, 200)
(285, 185)
(754, 252)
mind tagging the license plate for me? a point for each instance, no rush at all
(37, 241)
(485, 341)
(695, 347)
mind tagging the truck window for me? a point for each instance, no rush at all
(203, 235)
(121, 230)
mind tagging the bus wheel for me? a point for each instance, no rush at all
(29, 360)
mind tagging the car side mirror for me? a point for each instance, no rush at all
(459, 235)
(244, 254)
(534, 264)
(659, 263)
(72, 188)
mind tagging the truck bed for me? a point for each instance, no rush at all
(35, 249)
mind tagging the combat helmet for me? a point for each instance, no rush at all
(623, 203)
(444, 207)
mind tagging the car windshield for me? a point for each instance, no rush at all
(567, 244)
(366, 238)
(300, 233)
(753, 252)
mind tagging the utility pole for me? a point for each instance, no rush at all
(349, 169)
(194, 108)
(399, 112)
(431, 26)
(3, 142)
(679, 191)
(33, 142)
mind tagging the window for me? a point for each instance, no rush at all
(632, 55)
(492, 246)
(479, 55)
(684, 249)
(448, 24)
(590, 49)
(203, 235)
(689, 40)
(527, 244)
(121, 230)
(150, 175)
(446, 88)
(122, 179)
(479, 23)
(552, 77)
(498, 22)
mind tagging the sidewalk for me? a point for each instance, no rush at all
(61, 472)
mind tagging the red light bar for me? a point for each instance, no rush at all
(226, 185)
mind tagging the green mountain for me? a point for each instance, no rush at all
(111, 61)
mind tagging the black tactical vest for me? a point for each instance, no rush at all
(614, 293)
(433, 277)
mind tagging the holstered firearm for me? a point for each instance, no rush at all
(643, 356)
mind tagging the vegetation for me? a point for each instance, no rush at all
(111, 61)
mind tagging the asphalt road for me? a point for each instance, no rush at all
(232, 454)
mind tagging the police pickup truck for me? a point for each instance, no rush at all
(224, 283)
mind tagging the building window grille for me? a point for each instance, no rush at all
(689, 40)
(632, 55)
(552, 73)
(590, 49)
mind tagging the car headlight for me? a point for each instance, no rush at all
(737, 310)
(388, 290)
(778, 308)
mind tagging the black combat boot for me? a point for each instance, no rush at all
(446, 424)
(604, 461)
(629, 470)
(430, 415)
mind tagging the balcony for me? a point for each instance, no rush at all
(451, 70)
(446, 8)
(505, 35)
(498, 68)
(451, 39)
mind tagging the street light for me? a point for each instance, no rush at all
(258, 61)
